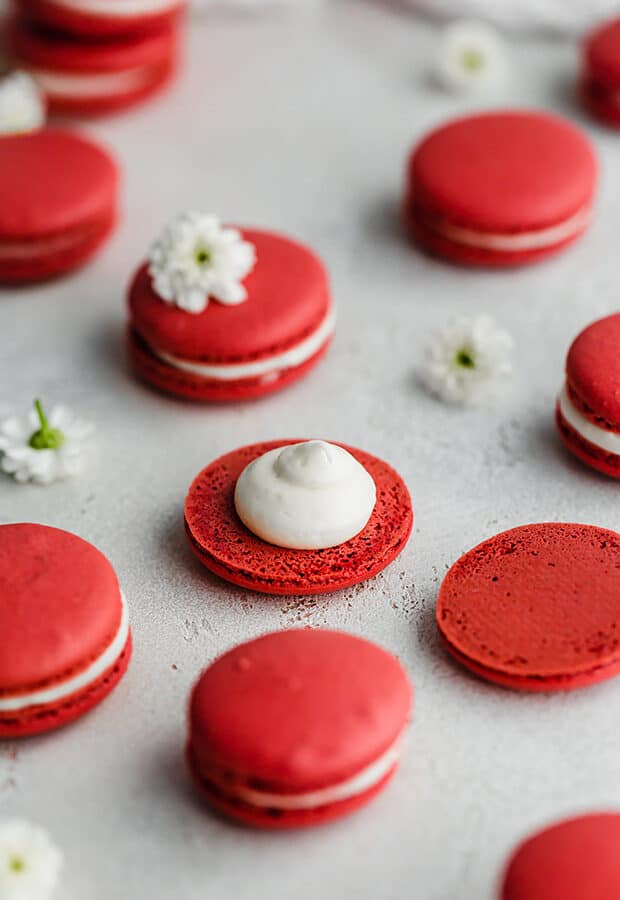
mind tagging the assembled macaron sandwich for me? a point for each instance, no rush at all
(64, 624)
(223, 314)
(297, 727)
(297, 517)
(500, 188)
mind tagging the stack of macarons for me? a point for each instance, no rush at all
(95, 56)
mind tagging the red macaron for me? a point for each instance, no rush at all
(588, 408)
(65, 634)
(297, 727)
(100, 19)
(600, 84)
(536, 608)
(96, 77)
(227, 548)
(577, 859)
(500, 188)
(236, 352)
(59, 203)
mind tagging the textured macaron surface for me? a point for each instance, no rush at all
(298, 710)
(60, 606)
(538, 602)
(503, 172)
(52, 182)
(288, 298)
(574, 860)
(593, 371)
(229, 549)
(602, 55)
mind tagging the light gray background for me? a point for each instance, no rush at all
(302, 123)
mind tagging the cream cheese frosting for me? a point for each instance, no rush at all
(306, 496)
(80, 681)
(609, 441)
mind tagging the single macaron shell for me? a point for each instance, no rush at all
(59, 203)
(500, 188)
(297, 727)
(228, 549)
(536, 608)
(94, 77)
(600, 85)
(228, 353)
(97, 19)
(65, 634)
(588, 409)
(577, 859)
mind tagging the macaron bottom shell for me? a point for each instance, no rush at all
(602, 103)
(594, 457)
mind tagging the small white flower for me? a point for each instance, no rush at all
(30, 863)
(465, 362)
(471, 58)
(43, 449)
(195, 259)
(22, 107)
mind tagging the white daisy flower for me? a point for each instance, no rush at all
(43, 449)
(471, 58)
(465, 362)
(22, 107)
(196, 259)
(30, 863)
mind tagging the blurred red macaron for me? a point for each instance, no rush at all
(600, 83)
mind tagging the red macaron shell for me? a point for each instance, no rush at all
(294, 712)
(602, 55)
(593, 372)
(503, 173)
(59, 195)
(95, 26)
(536, 608)
(577, 859)
(228, 549)
(151, 58)
(60, 609)
(602, 102)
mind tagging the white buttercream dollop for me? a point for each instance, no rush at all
(306, 496)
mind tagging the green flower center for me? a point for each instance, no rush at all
(473, 61)
(464, 359)
(202, 256)
(16, 864)
(45, 437)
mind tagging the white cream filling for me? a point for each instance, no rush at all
(599, 437)
(78, 682)
(101, 85)
(364, 781)
(513, 243)
(120, 8)
(296, 356)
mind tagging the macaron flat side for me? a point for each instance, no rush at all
(229, 550)
(536, 608)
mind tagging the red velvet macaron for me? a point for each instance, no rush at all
(236, 352)
(91, 78)
(99, 19)
(600, 85)
(588, 408)
(577, 859)
(65, 634)
(297, 727)
(59, 203)
(500, 188)
(230, 550)
(536, 608)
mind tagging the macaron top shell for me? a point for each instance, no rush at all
(52, 181)
(593, 369)
(602, 54)
(539, 601)
(60, 606)
(504, 172)
(575, 860)
(288, 298)
(300, 709)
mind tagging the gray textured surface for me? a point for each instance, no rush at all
(303, 124)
